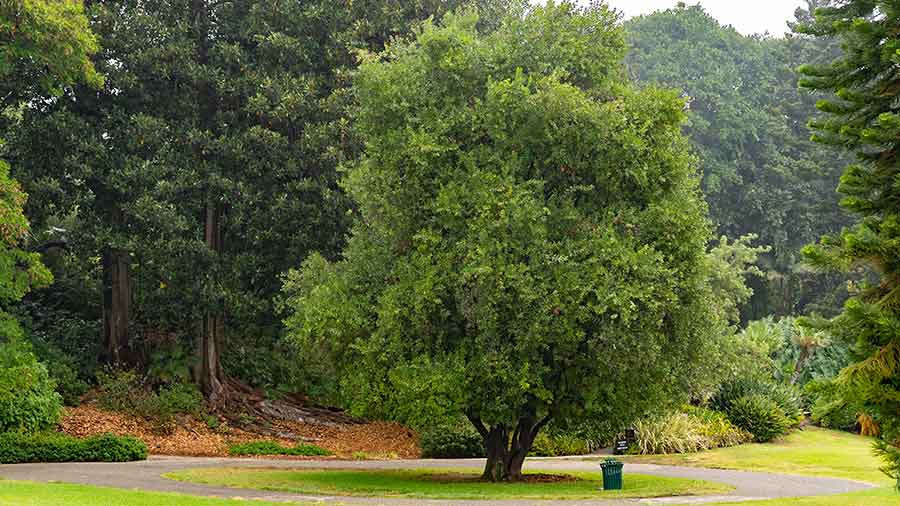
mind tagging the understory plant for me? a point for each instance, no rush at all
(126, 391)
(759, 415)
(686, 431)
(451, 440)
(559, 444)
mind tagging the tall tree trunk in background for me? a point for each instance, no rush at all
(212, 327)
(117, 346)
(212, 378)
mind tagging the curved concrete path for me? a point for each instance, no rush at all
(147, 476)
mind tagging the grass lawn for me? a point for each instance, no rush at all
(885, 496)
(440, 484)
(812, 452)
(26, 493)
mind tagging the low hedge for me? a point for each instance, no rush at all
(273, 448)
(19, 448)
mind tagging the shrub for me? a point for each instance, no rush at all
(17, 447)
(28, 398)
(788, 398)
(760, 416)
(181, 398)
(451, 441)
(273, 448)
(63, 340)
(559, 445)
(687, 431)
(126, 392)
(117, 390)
(831, 407)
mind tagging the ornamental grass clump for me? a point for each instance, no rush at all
(686, 432)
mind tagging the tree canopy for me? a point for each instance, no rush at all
(204, 167)
(530, 241)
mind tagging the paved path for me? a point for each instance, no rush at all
(146, 476)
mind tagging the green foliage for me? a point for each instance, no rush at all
(451, 441)
(273, 448)
(65, 342)
(238, 108)
(559, 444)
(19, 448)
(28, 399)
(20, 271)
(44, 44)
(686, 431)
(125, 391)
(170, 364)
(759, 415)
(787, 398)
(831, 407)
(860, 115)
(731, 264)
(530, 231)
(116, 388)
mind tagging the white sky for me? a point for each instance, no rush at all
(747, 16)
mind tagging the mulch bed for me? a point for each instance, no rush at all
(192, 437)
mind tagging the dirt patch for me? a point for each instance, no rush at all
(194, 438)
(457, 477)
(549, 478)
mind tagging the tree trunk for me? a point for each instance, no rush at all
(506, 455)
(117, 346)
(798, 366)
(212, 326)
(495, 448)
(211, 377)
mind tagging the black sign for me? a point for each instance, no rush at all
(621, 446)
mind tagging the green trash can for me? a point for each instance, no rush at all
(612, 474)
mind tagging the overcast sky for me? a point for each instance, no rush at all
(747, 16)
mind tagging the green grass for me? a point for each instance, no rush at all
(26, 493)
(885, 496)
(439, 484)
(273, 448)
(811, 452)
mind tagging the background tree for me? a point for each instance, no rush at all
(530, 238)
(44, 45)
(747, 123)
(862, 117)
(203, 169)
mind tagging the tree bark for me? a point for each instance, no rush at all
(212, 326)
(117, 345)
(212, 378)
(798, 366)
(506, 455)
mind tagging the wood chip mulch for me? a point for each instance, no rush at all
(192, 437)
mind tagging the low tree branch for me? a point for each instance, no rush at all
(479, 425)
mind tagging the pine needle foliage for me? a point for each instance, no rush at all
(862, 116)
